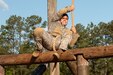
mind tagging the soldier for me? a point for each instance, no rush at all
(58, 37)
(45, 40)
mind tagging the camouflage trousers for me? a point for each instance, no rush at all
(44, 40)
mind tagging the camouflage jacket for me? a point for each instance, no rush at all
(57, 29)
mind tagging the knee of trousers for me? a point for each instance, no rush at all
(38, 32)
(69, 32)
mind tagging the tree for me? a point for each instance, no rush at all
(16, 37)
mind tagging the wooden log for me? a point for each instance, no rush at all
(72, 66)
(51, 10)
(82, 66)
(2, 72)
(88, 53)
(53, 70)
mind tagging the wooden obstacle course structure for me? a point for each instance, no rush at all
(82, 55)
(47, 57)
(78, 67)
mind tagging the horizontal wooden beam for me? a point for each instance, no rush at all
(95, 52)
(88, 53)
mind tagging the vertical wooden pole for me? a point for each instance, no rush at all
(72, 66)
(82, 66)
(2, 72)
(52, 4)
(53, 70)
(51, 9)
(51, 12)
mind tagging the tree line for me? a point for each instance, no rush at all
(16, 38)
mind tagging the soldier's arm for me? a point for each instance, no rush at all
(59, 14)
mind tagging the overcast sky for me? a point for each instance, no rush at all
(86, 10)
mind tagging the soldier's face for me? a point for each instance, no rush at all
(64, 20)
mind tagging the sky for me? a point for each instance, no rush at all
(86, 11)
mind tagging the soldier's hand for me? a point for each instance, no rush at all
(72, 7)
(73, 29)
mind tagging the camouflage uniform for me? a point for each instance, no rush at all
(44, 40)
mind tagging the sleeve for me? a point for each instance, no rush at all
(55, 30)
(74, 39)
(59, 14)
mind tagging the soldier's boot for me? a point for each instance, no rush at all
(38, 53)
(35, 53)
(39, 70)
(40, 49)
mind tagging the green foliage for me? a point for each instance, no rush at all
(44, 24)
(97, 35)
(16, 37)
(64, 70)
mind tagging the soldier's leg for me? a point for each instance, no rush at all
(54, 67)
(38, 36)
(75, 38)
(45, 39)
(66, 38)
(39, 70)
(38, 32)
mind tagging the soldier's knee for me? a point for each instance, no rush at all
(38, 31)
(77, 35)
(69, 32)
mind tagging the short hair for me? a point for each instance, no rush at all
(65, 15)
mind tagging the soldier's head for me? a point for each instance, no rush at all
(64, 19)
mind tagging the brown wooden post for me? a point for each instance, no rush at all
(53, 70)
(51, 9)
(52, 4)
(51, 12)
(72, 66)
(2, 72)
(82, 66)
